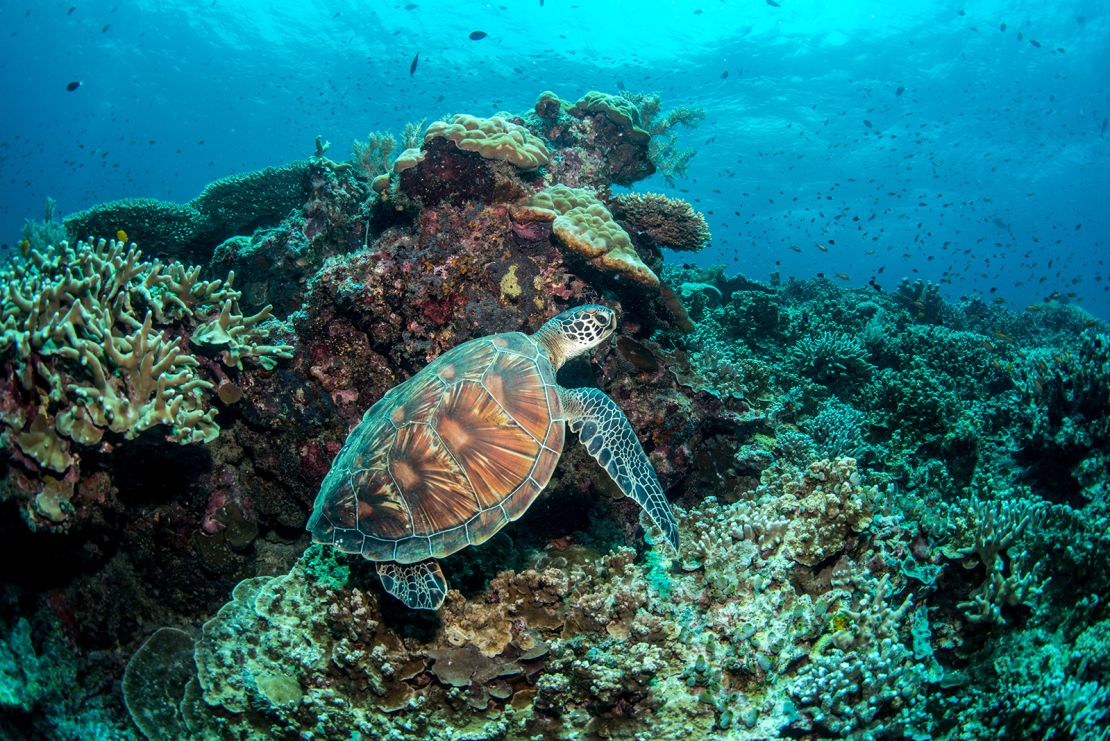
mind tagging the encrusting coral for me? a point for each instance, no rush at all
(494, 138)
(93, 337)
(586, 228)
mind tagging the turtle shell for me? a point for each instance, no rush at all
(447, 458)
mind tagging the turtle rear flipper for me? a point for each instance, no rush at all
(420, 586)
(610, 439)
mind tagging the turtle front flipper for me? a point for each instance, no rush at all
(420, 586)
(610, 439)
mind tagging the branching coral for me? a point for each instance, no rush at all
(670, 222)
(664, 150)
(864, 672)
(94, 337)
(830, 357)
(998, 526)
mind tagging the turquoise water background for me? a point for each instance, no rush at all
(962, 143)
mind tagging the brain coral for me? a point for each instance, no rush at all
(585, 226)
(494, 138)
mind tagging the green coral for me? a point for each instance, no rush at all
(233, 205)
(620, 111)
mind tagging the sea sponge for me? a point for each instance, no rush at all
(585, 226)
(494, 138)
(670, 222)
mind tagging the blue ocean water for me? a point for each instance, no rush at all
(965, 143)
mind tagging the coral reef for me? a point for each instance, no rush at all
(893, 508)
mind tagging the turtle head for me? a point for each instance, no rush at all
(576, 331)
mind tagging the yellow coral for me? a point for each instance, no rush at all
(510, 285)
(585, 226)
(494, 138)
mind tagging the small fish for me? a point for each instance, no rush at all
(411, 6)
(106, 27)
(867, 123)
(121, 236)
(73, 85)
(25, 247)
(71, 9)
(987, 344)
(1035, 43)
(1032, 307)
(412, 67)
(773, 4)
(899, 90)
(822, 247)
(842, 276)
(1004, 336)
(478, 35)
(724, 75)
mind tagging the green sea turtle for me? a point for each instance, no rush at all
(450, 456)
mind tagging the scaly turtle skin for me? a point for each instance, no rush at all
(450, 456)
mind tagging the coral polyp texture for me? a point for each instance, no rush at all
(669, 222)
(894, 508)
(95, 340)
(585, 227)
(495, 138)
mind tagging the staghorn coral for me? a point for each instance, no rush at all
(93, 337)
(670, 222)
(585, 227)
(494, 138)
(998, 525)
